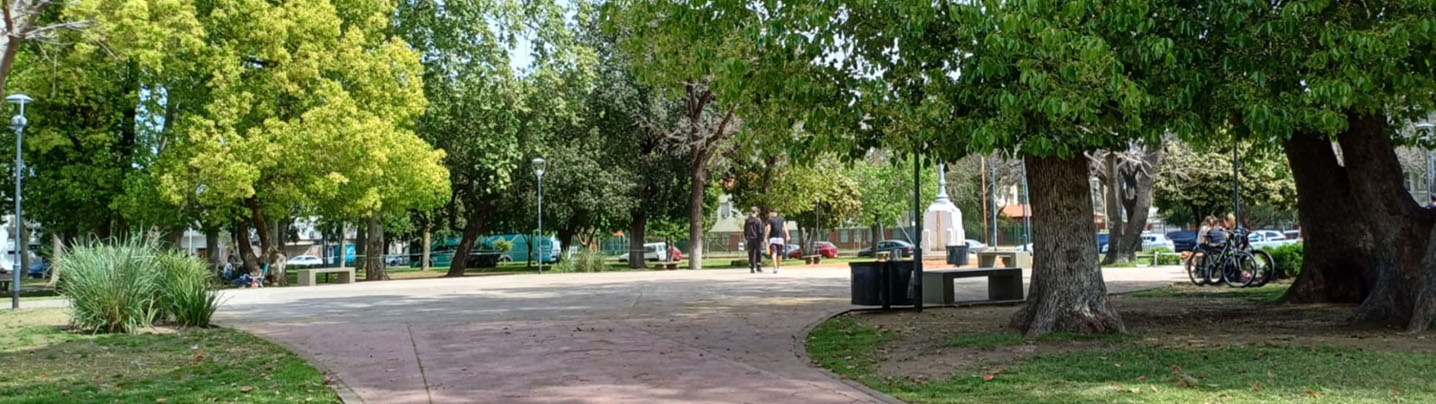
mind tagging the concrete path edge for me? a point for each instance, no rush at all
(341, 389)
(800, 349)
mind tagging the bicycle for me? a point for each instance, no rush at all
(1234, 264)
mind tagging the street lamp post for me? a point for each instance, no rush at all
(18, 124)
(538, 171)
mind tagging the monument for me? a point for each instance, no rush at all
(942, 222)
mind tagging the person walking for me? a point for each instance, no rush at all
(753, 235)
(777, 235)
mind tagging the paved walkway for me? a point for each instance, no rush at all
(712, 336)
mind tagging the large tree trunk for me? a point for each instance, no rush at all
(374, 268)
(1067, 292)
(361, 246)
(1400, 228)
(695, 215)
(246, 248)
(212, 250)
(273, 252)
(565, 239)
(636, 236)
(1332, 270)
(472, 227)
(342, 256)
(57, 251)
(1112, 195)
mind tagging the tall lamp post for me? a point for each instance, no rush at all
(18, 124)
(538, 171)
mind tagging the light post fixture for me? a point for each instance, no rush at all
(539, 166)
(1430, 189)
(18, 124)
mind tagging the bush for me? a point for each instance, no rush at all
(584, 261)
(1287, 259)
(112, 288)
(1165, 258)
(187, 290)
(129, 284)
(504, 246)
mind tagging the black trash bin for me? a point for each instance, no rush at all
(957, 254)
(881, 283)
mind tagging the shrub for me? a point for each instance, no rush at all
(112, 288)
(187, 290)
(1287, 259)
(1165, 257)
(131, 283)
(584, 261)
(503, 246)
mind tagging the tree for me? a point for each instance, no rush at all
(804, 194)
(1046, 81)
(298, 120)
(25, 22)
(1306, 74)
(682, 68)
(1128, 179)
(1200, 182)
(884, 188)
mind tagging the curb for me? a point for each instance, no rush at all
(800, 350)
(342, 390)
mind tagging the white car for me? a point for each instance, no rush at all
(1154, 240)
(974, 245)
(651, 252)
(1268, 238)
(304, 261)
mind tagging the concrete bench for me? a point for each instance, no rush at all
(812, 259)
(1020, 259)
(667, 265)
(1003, 284)
(306, 275)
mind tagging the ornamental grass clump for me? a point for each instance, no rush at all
(112, 288)
(187, 294)
(123, 285)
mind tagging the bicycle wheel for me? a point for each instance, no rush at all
(1210, 267)
(1265, 266)
(1240, 270)
(1194, 269)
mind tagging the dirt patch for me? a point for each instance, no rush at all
(937, 343)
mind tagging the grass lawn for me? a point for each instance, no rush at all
(1185, 345)
(44, 363)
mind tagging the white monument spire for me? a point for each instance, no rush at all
(942, 222)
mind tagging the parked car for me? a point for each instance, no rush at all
(1154, 241)
(888, 245)
(974, 245)
(656, 252)
(824, 249)
(1183, 241)
(304, 261)
(1268, 238)
(39, 270)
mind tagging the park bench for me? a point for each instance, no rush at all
(667, 265)
(306, 275)
(1003, 284)
(812, 259)
(988, 259)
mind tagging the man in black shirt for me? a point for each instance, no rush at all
(753, 230)
(777, 235)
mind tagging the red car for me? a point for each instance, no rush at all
(825, 249)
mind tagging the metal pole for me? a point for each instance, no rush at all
(992, 242)
(916, 281)
(19, 124)
(1026, 217)
(1236, 188)
(539, 243)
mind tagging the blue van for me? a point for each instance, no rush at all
(485, 248)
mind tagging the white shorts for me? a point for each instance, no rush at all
(775, 241)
